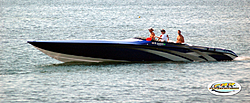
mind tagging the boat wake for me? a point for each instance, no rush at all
(242, 58)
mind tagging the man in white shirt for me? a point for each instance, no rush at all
(164, 37)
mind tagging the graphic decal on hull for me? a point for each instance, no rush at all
(165, 55)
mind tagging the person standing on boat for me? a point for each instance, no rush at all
(164, 37)
(152, 34)
(180, 38)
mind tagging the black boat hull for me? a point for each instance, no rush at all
(67, 51)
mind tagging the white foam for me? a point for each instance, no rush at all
(242, 58)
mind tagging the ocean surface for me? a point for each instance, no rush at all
(28, 75)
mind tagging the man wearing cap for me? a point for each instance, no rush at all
(164, 37)
(152, 34)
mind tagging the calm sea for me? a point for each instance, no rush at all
(28, 75)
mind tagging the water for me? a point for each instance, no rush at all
(28, 75)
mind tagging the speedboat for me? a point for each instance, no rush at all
(137, 49)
